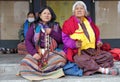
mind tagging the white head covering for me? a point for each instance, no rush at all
(81, 3)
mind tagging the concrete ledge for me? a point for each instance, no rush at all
(93, 78)
(9, 66)
(10, 58)
(11, 78)
(8, 74)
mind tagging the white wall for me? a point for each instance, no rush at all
(12, 16)
(108, 18)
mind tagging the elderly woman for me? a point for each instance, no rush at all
(81, 38)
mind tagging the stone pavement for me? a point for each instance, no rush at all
(9, 66)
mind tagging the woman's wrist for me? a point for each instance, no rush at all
(37, 56)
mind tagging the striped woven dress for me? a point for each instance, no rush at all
(53, 59)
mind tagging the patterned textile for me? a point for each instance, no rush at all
(31, 69)
(41, 37)
(22, 48)
(49, 43)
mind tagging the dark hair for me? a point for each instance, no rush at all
(51, 12)
(30, 12)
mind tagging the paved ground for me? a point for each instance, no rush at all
(9, 65)
(10, 58)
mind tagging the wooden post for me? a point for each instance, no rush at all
(79, 49)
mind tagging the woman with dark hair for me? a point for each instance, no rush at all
(23, 31)
(42, 39)
(51, 11)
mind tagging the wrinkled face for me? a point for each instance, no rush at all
(79, 11)
(45, 16)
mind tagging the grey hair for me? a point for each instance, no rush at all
(80, 3)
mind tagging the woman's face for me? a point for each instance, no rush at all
(31, 15)
(79, 11)
(45, 16)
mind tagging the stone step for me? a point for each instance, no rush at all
(8, 74)
(94, 78)
(10, 77)
(10, 58)
(9, 66)
(14, 68)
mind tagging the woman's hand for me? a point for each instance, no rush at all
(99, 44)
(48, 30)
(39, 51)
(37, 56)
(78, 43)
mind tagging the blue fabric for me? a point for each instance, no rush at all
(38, 28)
(72, 69)
(58, 49)
(26, 26)
(37, 34)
